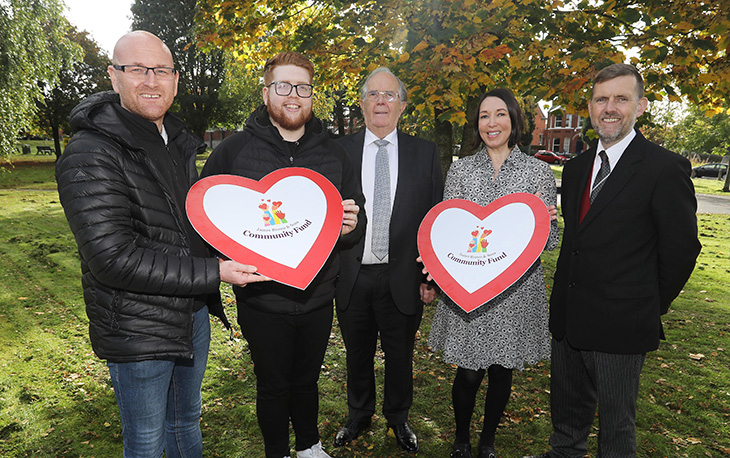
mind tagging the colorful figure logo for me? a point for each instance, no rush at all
(274, 216)
(478, 242)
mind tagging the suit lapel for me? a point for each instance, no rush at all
(583, 176)
(356, 150)
(404, 159)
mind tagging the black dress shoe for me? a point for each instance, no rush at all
(405, 437)
(486, 451)
(461, 451)
(350, 431)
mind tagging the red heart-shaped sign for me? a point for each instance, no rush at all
(475, 253)
(286, 224)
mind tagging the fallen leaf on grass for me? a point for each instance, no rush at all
(707, 299)
(696, 356)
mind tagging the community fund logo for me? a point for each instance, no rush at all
(274, 216)
(274, 224)
(478, 242)
(477, 253)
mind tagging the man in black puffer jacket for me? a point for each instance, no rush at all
(287, 329)
(149, 280)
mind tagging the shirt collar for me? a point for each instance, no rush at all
(163, 134)
(391, 137)
(516, 155)
(615, 152)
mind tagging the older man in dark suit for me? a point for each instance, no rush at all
(630, 244)
(381, 289)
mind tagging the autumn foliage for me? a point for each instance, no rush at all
(450, 51)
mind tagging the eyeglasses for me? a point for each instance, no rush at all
(140, 71)
(283, 89)
(389, 96)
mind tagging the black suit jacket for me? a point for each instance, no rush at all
(621, 267)
(420, 187)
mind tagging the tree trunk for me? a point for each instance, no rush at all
(467, 136)
(444, 138)
(57, 142)
(340, 116)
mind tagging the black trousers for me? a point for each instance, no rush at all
(580, 380)
(287, 353)
(372, 313)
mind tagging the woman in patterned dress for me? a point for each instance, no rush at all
(511, 329)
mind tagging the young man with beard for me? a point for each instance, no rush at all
(287, 329)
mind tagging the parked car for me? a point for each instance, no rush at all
(710, 170)
(566, 155)
(550, 157)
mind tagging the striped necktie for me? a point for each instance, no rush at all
(603, 173)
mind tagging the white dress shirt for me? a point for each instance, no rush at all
(370, 149)
(614, 153)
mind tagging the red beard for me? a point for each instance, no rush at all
(283, 119)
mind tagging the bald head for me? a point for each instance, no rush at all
(140, 41)
(144, 91)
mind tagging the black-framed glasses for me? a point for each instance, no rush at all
(283, 89)
(140, 71)
(389, 96)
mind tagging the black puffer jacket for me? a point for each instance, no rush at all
(260, 150)
(139, 279)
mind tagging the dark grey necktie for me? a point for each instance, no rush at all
(381, 201)
(603, 173)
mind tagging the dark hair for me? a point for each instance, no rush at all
(515, 116)
(616, 70)
(287, 58)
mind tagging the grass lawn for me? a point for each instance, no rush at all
(56, 398)
(557, 171)
(709, 186)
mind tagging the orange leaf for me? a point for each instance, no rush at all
(420, 46)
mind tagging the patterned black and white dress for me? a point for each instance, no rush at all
(511, 329)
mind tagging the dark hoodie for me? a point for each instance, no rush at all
(259, 150)
(142, 271)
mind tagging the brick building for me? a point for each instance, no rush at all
(538, 135)
(563, 132)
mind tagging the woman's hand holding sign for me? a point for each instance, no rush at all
(552, 209)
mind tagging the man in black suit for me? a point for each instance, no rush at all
(381, 289)
(629, 245)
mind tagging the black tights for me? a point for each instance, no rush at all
(463, 395)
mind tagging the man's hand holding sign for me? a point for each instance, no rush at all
(286, 224)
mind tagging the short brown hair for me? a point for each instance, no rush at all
(616, 70)
(287, 58)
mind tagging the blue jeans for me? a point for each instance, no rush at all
(159, 400)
